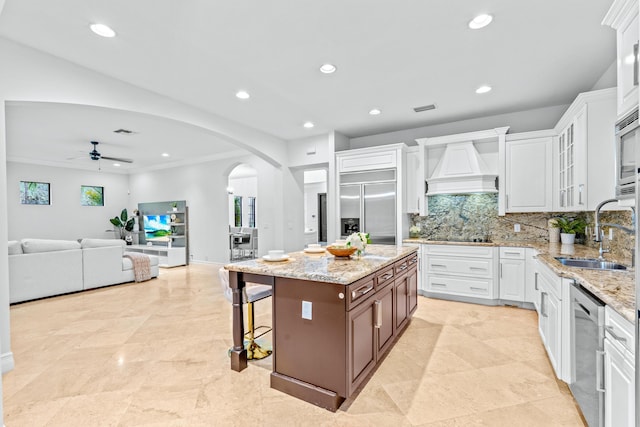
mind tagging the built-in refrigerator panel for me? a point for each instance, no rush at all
(350, 201)
(380, 212)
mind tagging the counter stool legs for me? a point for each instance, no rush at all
(254, 351)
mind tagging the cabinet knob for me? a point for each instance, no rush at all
(341, 295)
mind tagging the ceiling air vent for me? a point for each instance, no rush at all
(125, 131)
(425, 108)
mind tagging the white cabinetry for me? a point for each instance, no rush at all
(167, 256)
(414, 183)
(531, 289)
(619, 371)
(528, 174)
(549, 316)
(512, 274)
(465, 271)
(584, 153)
(623, 17)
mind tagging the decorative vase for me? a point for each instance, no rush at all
(414, 235)
(567, 239)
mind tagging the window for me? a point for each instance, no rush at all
(252, 211)
(237, 210)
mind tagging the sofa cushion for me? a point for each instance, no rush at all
(30, 246)
(15, 247)
(101, 243)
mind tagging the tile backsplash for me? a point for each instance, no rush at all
(475, 216)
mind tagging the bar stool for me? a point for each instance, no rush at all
(250, 294)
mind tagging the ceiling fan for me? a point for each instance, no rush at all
(95, 155)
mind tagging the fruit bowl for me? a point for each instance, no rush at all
(340, 251)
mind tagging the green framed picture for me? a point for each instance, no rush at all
(91, 195)
(35, 193)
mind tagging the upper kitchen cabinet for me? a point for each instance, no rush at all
(583, 157)
(414, 183)
(623, 17)
(528, 172)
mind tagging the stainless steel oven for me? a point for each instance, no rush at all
(627, 135)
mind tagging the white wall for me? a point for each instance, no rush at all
(64, 218)
(311, 192)
(310, 151)
(608, 79)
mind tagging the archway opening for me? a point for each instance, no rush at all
(243, 207)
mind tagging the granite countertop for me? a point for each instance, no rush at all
(324, 267)
(614, 288)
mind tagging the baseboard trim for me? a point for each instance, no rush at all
(6, 362)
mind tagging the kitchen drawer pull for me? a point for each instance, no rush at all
(614, 335)
(473, 288)
(402, 267)
(513, 253)
(439, 284)
(439, 265)
(386, 276)
(478, 268)
(362, 291)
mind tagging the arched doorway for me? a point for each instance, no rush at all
(242, 189)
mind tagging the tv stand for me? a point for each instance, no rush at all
(169, 257)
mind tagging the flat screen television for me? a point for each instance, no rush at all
(156, 225)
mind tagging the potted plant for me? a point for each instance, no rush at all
(569, 227)
(174, 206)
(123, 224)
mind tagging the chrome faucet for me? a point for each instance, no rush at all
(599, 234)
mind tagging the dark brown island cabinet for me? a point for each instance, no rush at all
(328, 337)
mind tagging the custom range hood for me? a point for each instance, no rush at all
(461, 170)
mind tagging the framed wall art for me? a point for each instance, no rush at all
(35, 193)
(91, 195)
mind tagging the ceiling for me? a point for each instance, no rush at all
(391, 55)
(60, 134)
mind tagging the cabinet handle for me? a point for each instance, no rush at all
(438, 284)
(506, 202)
(580, 188)
(614, 335)
(363, 290)
(600, 371)
(439, 265)
(512, 253)
(478, 268)
(543, 307)
(378, 313)
(635, 64)
(386, 276)
(501, 271)
(403, 267)
(535, 281)
(473, 288)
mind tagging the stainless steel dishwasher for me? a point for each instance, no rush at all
(587, 337)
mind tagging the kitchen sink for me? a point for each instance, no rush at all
(591, 263)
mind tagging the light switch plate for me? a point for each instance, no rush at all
(306, 310)
(516, 228)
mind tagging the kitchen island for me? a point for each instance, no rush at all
(333, 318)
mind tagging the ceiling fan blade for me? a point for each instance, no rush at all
(76, 157)
(116, 159)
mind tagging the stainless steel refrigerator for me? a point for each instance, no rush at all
(368, 204)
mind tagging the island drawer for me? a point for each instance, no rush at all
(384, 277)
(402, 266)
(359, 291)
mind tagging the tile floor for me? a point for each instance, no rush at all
(155, 354)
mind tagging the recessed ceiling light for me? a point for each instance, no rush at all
(116, 165)
(483, 89)
(480, 21)
(102, 30)
(165, 154)
(243, 95)
(308, 125)
(375, 112)
(328, 68)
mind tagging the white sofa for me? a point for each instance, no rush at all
(41, 268)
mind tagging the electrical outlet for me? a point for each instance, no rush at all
(307, 308)
(516, 228)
